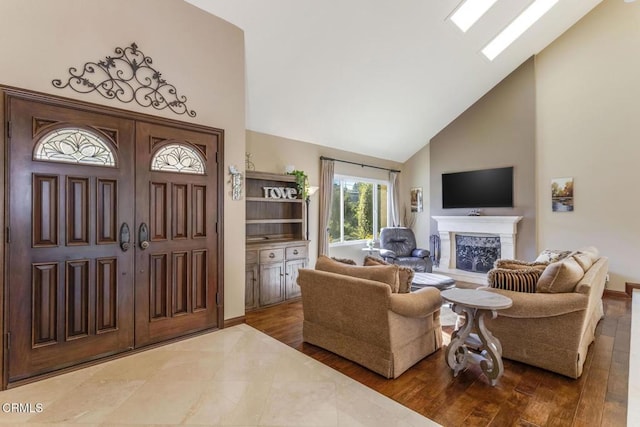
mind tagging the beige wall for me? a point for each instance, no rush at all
(271, 154)
(416, 173)
(201, 55)
(497, 131)
(588, 104)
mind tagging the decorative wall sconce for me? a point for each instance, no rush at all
(236, 183)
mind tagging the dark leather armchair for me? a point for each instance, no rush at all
(398, 246)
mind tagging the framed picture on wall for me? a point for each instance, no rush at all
(562, 195)
(416, 199)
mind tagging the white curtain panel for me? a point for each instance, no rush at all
(394, 192)
(326, 188)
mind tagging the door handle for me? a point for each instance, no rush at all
(125, 237)
(143, 236)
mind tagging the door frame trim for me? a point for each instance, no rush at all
(8, 92)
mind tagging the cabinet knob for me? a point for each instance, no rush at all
(272, 255)
(295, 252)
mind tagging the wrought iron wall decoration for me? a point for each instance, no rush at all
(127, 77)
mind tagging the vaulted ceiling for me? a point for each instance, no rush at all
(377, 77)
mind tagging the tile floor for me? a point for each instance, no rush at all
(237, 376)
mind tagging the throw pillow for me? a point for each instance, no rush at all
(561, 276)
(387, 274)
(552, 255)
(344, 260)
(405, 274)
(592, 251)
(585, 260)
(372, 260)
(518, 280)
(516, 264)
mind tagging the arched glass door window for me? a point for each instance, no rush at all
(74, 145)
(178, 157)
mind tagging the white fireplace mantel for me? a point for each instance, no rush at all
(506, 227)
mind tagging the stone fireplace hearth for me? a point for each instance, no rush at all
(491, 234)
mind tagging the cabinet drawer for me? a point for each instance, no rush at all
(252, 257)
(297, 252)
(271, 255)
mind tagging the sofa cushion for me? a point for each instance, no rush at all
(552, 255)
(518, 280)
(560, 276)
(516, 264)
(387, 274)
(405, 274)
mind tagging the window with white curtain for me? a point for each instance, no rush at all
(359, 210)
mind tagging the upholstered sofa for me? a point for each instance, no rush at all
(552, 327)
(352, 311)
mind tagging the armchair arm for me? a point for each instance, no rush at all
(540, 305)
(388, 253)
(421, 303)
(420, 253)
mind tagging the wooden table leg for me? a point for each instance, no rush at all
(458, 354)
(491, 348)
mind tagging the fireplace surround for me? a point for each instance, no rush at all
(503, 227)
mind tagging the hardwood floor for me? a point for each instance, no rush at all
(524, 396)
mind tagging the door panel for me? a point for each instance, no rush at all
(70, 286)
(106, 203)
(176, 191)
(200, 278)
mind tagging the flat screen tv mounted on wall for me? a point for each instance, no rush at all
(487, 188)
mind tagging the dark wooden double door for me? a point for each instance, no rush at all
(112, 227)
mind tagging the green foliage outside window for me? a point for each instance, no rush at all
(365, 212)
(359, 212)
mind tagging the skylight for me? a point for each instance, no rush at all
(470, 11)
(517, 27)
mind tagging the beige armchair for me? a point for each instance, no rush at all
(363, 321)
(552, 330)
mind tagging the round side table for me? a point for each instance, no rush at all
(474, 342)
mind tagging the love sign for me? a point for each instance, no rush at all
(280, 192)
